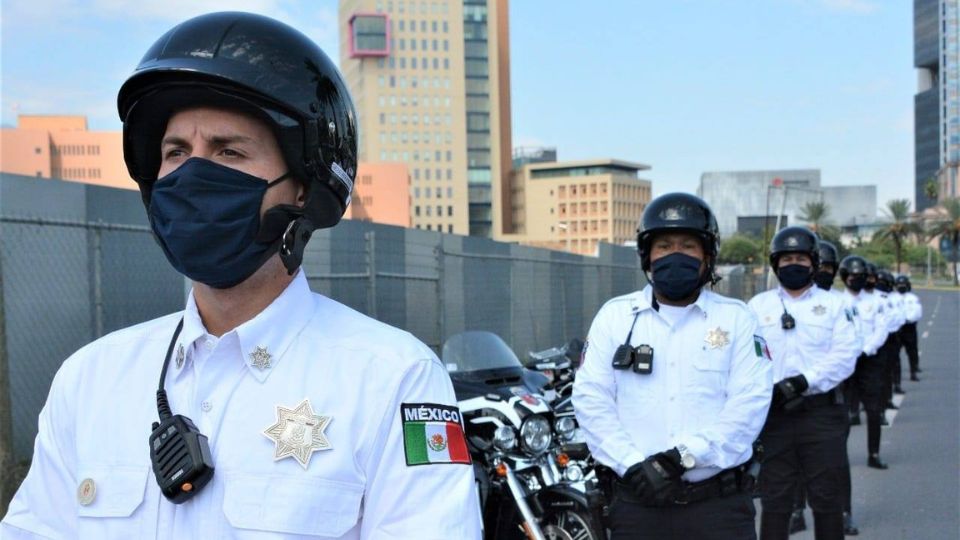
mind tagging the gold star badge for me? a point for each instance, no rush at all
(819, 310)
(260, 358)
(717, 338)
(298, 433)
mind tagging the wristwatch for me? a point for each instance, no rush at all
(686, 458)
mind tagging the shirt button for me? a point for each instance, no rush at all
(208, 343)
(206, 406)
(672, 398)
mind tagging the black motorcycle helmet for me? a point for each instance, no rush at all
(257, 65)
(852, 264)
(795, 240)
(828, 254)
(871, 276)
(902, 283)
(885, 280)
(679, 212)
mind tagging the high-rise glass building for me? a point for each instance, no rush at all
(432, 88)
(936, 56)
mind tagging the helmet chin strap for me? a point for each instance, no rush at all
(295, 242)
(286, 224)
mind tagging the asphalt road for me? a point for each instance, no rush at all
(918, 497)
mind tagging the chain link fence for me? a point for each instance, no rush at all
(65, 283)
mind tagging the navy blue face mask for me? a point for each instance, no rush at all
(676, 276)
(206, 217)
(794, 276)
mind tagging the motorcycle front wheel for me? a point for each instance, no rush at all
(570, 525)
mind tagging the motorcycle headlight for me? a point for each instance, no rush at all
(565, 427)
(573, 473)
(535, 435)
(505, 438)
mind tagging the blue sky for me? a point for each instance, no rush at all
(685, 86)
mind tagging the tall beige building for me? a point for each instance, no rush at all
(431, 84)
(575, 205)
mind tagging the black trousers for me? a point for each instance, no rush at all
(890, 353)
(806, 447)
(800, 497)
(867, 385)
(908, 338)
(722, 518)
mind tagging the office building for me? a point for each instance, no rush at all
(575, 205)
(747, 202)
(431, 85)
(61, 147)
(936, 56)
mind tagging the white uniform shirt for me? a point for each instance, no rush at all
(851, 308)
(709, 390)
(98, 416)
(822, 347)
(912, 308)
(873, 323)
(894, 312)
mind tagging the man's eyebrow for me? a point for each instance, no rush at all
(219, 140)
(174, 141)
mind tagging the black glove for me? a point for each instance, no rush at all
(657, 478)
(788, 393)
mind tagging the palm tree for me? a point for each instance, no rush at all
(949, 225)
(897, 225)
(815, 214)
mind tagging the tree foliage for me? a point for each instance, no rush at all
(740, 249)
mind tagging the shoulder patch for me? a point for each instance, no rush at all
(432, 433)
(760, 347)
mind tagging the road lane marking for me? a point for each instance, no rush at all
(925, 334)
(892, 413)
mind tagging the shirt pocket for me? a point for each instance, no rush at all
(113, 511)
(816, 333)
(710, 371)
(262, 505)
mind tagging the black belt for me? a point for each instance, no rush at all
(822, 400)
(726, 482)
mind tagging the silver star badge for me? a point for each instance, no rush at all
(180, 356)
(260, 358)
(819, 310)
(298, 433)
(717, 338)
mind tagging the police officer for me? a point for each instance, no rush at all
(824, 277)
(308, 418)
(913, 311)
(813, 342)
(868, 375)
(674, 388)
(896, 318)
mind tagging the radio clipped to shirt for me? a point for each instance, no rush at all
(639, 357)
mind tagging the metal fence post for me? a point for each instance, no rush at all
(370, 238)
(97, 281)
(7, 476)
(441, 300)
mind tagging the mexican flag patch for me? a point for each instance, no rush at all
(432, 433)
(760, 347)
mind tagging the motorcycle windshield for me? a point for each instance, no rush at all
(474, 351)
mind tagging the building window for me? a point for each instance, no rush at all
(449, 210)
(449, 225)
(368, 36)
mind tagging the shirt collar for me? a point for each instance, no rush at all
(263, 339)
(806, 294)
(643, 300)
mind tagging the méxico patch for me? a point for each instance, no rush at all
(432, 433)
(760, 347)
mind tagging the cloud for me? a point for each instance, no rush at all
(179, 10)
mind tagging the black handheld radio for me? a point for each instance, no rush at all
(179, 453)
